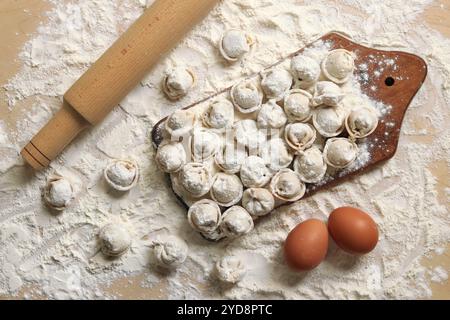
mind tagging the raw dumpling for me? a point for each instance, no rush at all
(220, 115)
(329, 121)
(271, 116)
(246, 96)
(122, 175)
(247, 134)
(258, 201)
(306, 71)
(230, 269)
(299, 136)
(236, 222)
(361, 122)
(297, 105)
(114, 239)
(171, 157)
(230, 158)
(170, 251)
(235, 44)
(310, 165)
(58, 193)
(195, 179)
(275, 83)
(327, 93)
(204, 144)
(276, 154)
(338, 66)
(254, 172)
(286, 185)
(340, 152)
(226, 189)
(180, 123)
(178, 82)
(204, 216)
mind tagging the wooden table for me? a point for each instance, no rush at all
(19, 19)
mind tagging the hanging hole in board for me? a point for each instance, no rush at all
(389, 81)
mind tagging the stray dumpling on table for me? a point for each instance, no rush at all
(205, 216)
(178, 82)
(170, 251)
(287, 185)
(276, 82)
(195, 178)
(58, 192)
(310, 165)
(226, 189)
(122, 175)
(299, 136)
(235, 44)
(246, 96)
(276, 154)
(258, 201)
(329, 121)
(306, 71)
(271, 116)
(204, 144)
(338, 65)
(254, 172)
(219, 115)
(340, 152)
(361, 122)
(170, 157)
(114, 239)
(180, 123)
(297, 105)
(327, 93)
(230, 269)
(236, 222)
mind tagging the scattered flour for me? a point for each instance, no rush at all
(58, 256)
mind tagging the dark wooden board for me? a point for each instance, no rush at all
(393, 84)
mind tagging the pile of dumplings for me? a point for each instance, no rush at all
(237, 157)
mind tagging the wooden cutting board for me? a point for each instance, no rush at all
(393, 84)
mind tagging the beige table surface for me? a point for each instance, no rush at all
(19, 19)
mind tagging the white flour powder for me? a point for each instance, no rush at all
(58, 256)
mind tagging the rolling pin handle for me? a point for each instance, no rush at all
(54, 137)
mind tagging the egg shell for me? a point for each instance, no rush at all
(353, 230)
(306, 245)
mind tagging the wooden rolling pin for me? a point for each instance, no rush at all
(118, 71)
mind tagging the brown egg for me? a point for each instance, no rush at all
(306, 245)
(353, 230)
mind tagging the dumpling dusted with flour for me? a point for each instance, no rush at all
(271, 116)
(170, 251)
(195, 178)
(338, 65)
(230, 269)
(340, 152)
(114, 239)
(178, 82)
(329, 121)
(247, 134)
(220, 115)
(235, 44)
(299, 136)
(275, 83)
(286, 185)
(297, 105)
(58, 193)
(258, 201)
(226, 189)
(230, 157)
(327, 93)
(204, 216)
(306, 71)
(361, 122)
(276, 154)
(246, 96)
(254, 172)
(122, 175)
(171, 157)
(204, 144)
(180, 123)
(310, 165)
(236, 222)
